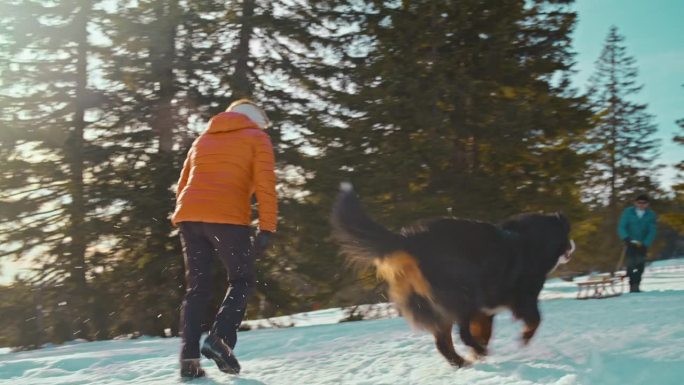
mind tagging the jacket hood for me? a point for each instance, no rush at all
(229, 121)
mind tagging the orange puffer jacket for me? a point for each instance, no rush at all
(229, 162)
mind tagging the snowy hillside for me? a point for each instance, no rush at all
(631, 339)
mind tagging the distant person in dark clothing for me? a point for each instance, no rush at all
(637, 228)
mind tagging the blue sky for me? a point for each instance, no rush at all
(654, 36)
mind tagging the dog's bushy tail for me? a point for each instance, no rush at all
(362, 239)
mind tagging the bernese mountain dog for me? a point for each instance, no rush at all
(448, 271)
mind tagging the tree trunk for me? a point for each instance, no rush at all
(242, 87)
(162, 65)
(74, 154)
(76, 209)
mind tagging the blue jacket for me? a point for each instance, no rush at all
(639, 229)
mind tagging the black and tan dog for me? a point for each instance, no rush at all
(454, 271)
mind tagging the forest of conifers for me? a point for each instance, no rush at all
(430, 108)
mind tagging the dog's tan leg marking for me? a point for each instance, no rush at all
(445, 345)
(481, 328)
(469, 339)
(529, 330)
(528, 312)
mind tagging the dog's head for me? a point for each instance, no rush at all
(546, 237)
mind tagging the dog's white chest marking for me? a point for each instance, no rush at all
(565, 258)
(493, 311)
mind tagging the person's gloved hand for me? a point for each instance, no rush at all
(628, 241)
(262, 241)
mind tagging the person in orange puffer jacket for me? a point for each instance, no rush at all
(231, 161)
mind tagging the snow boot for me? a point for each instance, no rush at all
(215, 348)
(191, 369)
(634, 289)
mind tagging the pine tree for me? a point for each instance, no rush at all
(675, 217)
(177, 64)
(679, 186)
(51, 110)
(622, 148)
(452, 84)
(151, 108)
(622, 139)
(460, 108)
(272, 60)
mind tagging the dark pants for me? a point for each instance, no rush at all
(636, 261)
(634, 273)
(201, 243)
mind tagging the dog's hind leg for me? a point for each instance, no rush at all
(481, 328)
(445, 345)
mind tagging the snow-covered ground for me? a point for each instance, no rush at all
(627, 340)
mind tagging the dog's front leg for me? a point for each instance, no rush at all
(445, 345)
(468, 339)
(481, 328)
(529, 313)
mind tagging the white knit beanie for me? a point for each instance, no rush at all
(249, 109)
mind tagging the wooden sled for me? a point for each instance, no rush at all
(601, 286)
